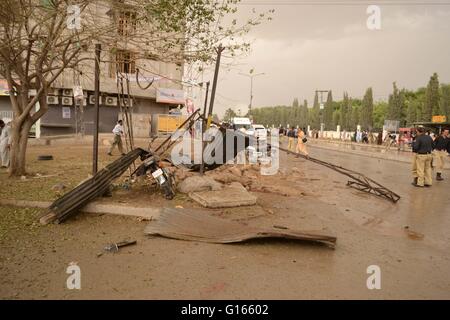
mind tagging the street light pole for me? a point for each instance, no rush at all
(251, 76)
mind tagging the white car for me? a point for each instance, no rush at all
(258, 131)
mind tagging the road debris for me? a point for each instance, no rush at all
(198, 183)
(233, 195)
(196, 225)
(413, 234)
(114, 247)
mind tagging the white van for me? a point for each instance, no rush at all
(241, 124)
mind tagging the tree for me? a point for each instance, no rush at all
(229, 114)
(345, 112)
(336, 118)
(396, 104)
(367, 110)
(314, 113)
(328, 112)
(40, 39)
(304, 114)
(432, 99)
(445, 100)
(379, 114)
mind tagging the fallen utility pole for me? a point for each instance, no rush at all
(98, 185)
(360, 181)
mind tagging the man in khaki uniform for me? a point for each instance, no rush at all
(441, 147)
(423, 147)
(414, 168)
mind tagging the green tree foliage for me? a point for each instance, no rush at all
(432, 99)
(303, 119)
(379, 114)
(367, 110)
(314, 113)
(328, 112)
(396, 105)
(229, 114)
(407, 106)
(345, 112)
(445, 100)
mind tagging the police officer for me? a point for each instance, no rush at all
(441, 148)
(423, 146)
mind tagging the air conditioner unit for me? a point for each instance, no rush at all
(92, 100)
(53, 92)
(111, 101)
(52, 100)
(124, 103)
(67, 92)
(67, 101)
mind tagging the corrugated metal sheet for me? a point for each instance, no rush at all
(195, 225)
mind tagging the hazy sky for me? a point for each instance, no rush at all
(313, 45)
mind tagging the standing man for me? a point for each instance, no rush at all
(118, 133)
(441, 148)
(5, 143)
(423, 146)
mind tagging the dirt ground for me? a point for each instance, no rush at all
(414, 261)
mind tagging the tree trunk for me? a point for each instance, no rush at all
(19, 147)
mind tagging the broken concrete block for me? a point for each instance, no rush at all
(234, 195)
(198, 183)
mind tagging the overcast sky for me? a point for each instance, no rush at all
(312, 45)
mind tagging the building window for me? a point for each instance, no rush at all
(125, 62)
(127, 23)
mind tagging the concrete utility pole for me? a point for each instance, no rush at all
(204, 123)
(98, 49)
(214, 85)
(251, 76)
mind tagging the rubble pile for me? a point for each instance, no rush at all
(249, 176)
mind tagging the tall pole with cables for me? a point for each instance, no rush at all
(251, 76)
(98, 49)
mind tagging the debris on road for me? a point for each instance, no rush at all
(413, 234)
(233, 195)
(45, 157)
(196, 225)
(114, 247)
(198, 183)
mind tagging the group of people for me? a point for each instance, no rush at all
(429, 152)
(299, 134)
(5, 143)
